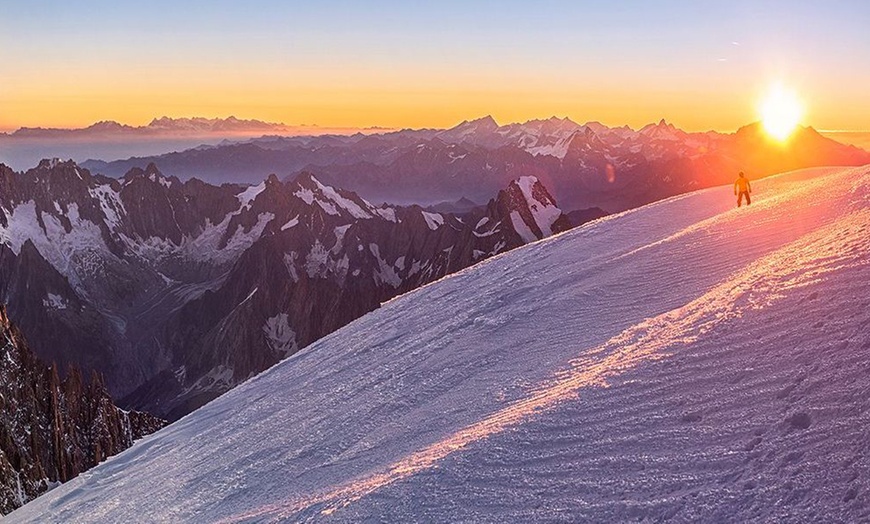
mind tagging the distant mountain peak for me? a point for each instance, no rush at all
(487, 121)
(307, 179)
(564, 120)
(662, 131)
(483, 125)
(108, 126)
(201, 124)
(52, 163)
(531, 209)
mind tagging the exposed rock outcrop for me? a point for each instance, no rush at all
(51, 430)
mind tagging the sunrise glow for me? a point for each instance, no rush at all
(411, 65)
(781, 111)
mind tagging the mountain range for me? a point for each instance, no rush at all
(583, 165)
(158, 126)
(177, 291)
(111, 140)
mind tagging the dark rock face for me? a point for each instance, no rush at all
(51, 430)
(40, 296)
(579, 217)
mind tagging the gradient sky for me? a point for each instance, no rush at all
(702, 65)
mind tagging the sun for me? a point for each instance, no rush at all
(781, 111)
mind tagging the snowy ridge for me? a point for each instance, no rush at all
(686, 360)
(332, 200)
(558, 149)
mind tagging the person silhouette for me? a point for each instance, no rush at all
(741, 189)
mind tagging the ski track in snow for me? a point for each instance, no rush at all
(684, 361)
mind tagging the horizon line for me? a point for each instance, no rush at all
(376, 128)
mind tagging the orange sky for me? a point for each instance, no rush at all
(391, 64)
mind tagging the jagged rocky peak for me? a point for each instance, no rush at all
(307, 179)
(54, 188)
(531, 209)
(55, 170)
(662, 131)
(555, 124)
(272, 180)
(470, 129)
(486, 123)
(51, 163)
(335, 201)
(51, 430)
(527, 192)
(151, 173)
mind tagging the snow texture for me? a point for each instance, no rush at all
(348, 205)
(387, 213)
(54, 301)
(77, 254)
(433, 220)
(279, 335)
(558, 149)
(250, 194)
(290, 223)
(331, 201)
(685, 361)
(110, 203)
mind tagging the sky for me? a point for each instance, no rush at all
(699, 64)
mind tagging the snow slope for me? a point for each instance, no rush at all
(685, 360)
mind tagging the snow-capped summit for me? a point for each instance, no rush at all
(211, 125)
(624, 370)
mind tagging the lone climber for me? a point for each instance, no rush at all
(741, 189)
